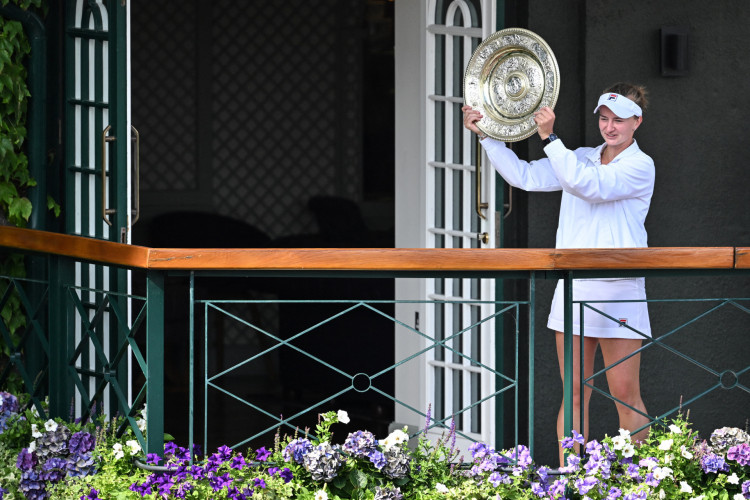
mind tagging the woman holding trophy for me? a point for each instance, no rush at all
(606, 193)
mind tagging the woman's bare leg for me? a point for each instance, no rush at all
(589, 349)
(624, 383)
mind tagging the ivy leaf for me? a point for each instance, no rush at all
(53, 205)
(20, 208)
(7, 192)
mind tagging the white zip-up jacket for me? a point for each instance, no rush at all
(603, 206)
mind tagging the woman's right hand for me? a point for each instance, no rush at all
(471, 117)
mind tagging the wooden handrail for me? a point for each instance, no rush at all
(742, 258)
(372, 259)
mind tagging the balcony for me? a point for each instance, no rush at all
(104, 347)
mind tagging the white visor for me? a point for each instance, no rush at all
(620, 105)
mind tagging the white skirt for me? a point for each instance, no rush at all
(632, 314)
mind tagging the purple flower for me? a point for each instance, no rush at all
(632, 471)
(259, 483)
(220, 482)
(495, 479)
(53, 470)
(360, 443)
(478, 450)
(9, 403)
(297, 449)
(614, 493)
(32, 485)
(641, 495)
(26, 459)
(712, 462)
(224, 452)
(651, 480)
(286, 474)
(568, 442)
(262, 454)
(93, 495)
(153, 458)
(538, 490)
(377, 459)
(557, 489)
(81, 442)
(238, 462)
(746, 489)
(740, 454)
(428, 417)
(584, 485)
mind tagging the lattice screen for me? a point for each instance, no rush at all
(279, 109)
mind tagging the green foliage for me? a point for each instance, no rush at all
(15, 177)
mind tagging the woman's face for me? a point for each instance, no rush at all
(617, 132)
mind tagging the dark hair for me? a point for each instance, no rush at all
(636, 93)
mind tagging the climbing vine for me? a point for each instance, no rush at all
(15, 177)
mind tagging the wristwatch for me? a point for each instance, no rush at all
(552, 137)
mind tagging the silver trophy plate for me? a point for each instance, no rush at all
(511, 75)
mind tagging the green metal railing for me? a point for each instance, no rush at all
(83, 363)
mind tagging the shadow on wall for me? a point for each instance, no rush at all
(336, 348)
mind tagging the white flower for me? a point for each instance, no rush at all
(662, 494)
(674, 429)
(662, 473)
(738, 496)
(625, 433)
(343, 417)
(685, 487)
(32, 446)
(685, 452)
(50, 425)
(441, 488)
(134, 446)
(628, 450)
(34, 411)
(395, 438)
(35, 431)
(733, 479)
(666, 444)
(321, 495)
(117, 448)
(141, 423)
(619, 442)
(668, 458)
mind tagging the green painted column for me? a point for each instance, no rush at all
(568, 353)
(60, 386)
(155, 362)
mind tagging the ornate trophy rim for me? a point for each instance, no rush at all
(511, 75)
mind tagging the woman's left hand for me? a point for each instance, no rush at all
(545, 120)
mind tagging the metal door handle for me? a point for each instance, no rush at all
(105, 211)
(136, 139)
(478, 178)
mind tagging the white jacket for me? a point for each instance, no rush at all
(603, 206)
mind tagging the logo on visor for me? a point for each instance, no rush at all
(612, 97)
(623, 321)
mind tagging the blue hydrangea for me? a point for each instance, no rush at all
(297, 449)
(33, 486)
(712, 462)
(26, 460)
(360, 443)
(81, 464)
(323, 462)
(377, 459)
(81, 442)
(388, 493)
